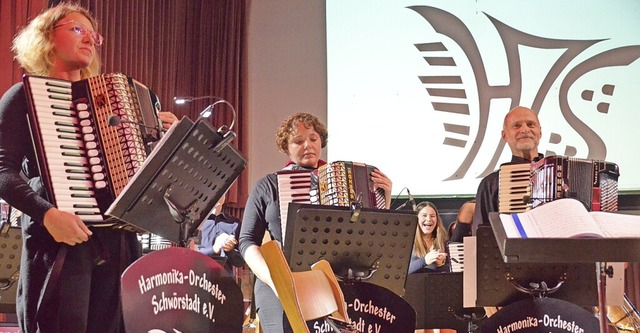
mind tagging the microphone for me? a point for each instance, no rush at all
(412, 200)
(115, 120)
(527, 199)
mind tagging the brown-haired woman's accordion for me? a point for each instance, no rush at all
(335, 184)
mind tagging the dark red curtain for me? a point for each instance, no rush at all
(14, 14)
(176, 48)
(180, 48)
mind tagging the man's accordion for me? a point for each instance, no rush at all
(528, 185)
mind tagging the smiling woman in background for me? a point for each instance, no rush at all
(429, 253)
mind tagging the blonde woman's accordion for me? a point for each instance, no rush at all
(85, 159)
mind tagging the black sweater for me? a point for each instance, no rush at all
(16, 154)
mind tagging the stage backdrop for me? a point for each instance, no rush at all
(420, 88)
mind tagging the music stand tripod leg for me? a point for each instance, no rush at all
(603, 272)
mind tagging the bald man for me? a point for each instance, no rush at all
(522, 132)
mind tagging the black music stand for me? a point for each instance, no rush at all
(593, 252)
(495, 278)
(10, 251)
(437, 299)
(563, 250)
(376, 247)
(369, 251)
(180, 182)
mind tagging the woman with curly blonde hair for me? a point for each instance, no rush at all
(69, 272)
(34, 46)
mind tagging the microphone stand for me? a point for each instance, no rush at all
(408, 201)
(403, 205)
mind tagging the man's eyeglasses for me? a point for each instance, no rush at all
(81, 30)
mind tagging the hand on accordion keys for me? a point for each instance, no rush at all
(167, 119)
(380, 180)
(65, 227)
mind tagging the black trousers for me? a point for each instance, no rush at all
(82, 294)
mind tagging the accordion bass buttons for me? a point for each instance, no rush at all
(82, 107)
(92, 147)
(100, 184)
(87, 130)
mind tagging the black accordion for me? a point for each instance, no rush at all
(528, 185)
(90, 138)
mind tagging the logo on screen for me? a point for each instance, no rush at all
(559, 86)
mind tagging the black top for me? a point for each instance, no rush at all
(262, 211)
(487, 197)
(261, 214)
(16, 154)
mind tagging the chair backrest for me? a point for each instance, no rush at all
(304, 295)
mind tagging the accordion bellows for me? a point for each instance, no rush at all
(340, 183)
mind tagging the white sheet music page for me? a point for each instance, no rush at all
(509, 225)
(617, 225)
(563, 218)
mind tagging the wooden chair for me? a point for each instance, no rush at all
(305, 295)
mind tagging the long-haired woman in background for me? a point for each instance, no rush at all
(429, 252)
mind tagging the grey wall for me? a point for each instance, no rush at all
(287, 73)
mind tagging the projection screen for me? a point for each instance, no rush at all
(419, 89)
